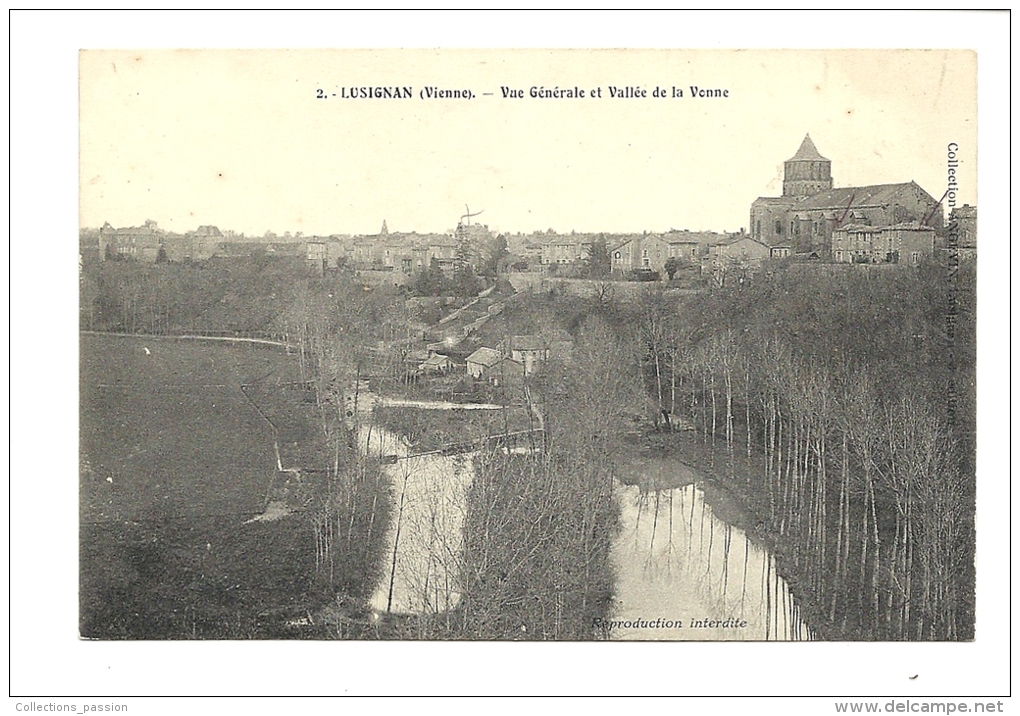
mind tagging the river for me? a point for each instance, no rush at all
(426, 532)
(682, 572)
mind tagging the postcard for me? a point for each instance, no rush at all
(528, 345)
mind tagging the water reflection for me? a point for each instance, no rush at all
(426, 532)
(676, 562)
(674, 559)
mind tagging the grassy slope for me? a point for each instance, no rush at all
(165, 552)
(172, 428)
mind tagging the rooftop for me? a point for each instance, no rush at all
(807, 152)
(849, 197)
(485, 356)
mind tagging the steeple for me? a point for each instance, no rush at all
(807, 172)
(807, 152)
(384, 231)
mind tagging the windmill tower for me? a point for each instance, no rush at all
(465, 252)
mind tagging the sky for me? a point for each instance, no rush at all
(238, 139)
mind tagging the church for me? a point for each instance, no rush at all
(804, 218)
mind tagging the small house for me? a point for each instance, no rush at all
(481, 360)
(505, 371)
(436, 364)
(528, 350)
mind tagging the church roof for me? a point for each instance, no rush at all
(778, 200)
(859, 196)
(807, 152)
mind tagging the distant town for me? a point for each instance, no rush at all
(811, 222)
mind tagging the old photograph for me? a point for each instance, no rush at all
(573, 345)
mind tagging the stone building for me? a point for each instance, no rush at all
(646, 252)
(966, 226)
(908, 243)
(810, 209)
(316, 257)
(135, 242)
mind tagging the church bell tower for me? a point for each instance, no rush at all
(807, 172)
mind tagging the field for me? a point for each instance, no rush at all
(175, 459)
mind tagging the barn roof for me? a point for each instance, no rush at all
(485, 356)
(505, 363)
(436, 361)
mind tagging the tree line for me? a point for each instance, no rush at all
(825, 397)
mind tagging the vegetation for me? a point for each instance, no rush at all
(226, 296)
(495, 257)
(433, 281)
(150, 581)
(427, 430)
(539, 523)
(597, 262)
(837, 402)
(174, 462)
(845, 413)
(673, 265)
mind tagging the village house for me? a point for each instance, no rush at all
(908, 243)
(363, 252)
(316, 257)
(531, 252)
(138, 242)
(642, 252)
(443, 249)
(684, 250)
(562, 250)
(529, 351)
(197, 245)
(436, 363)
(491, 365)
(740, 249)
(481, 360)
(691, 246)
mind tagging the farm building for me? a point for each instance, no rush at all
(481, 360)
(504, 371)
(436, 364)
(529, 351)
